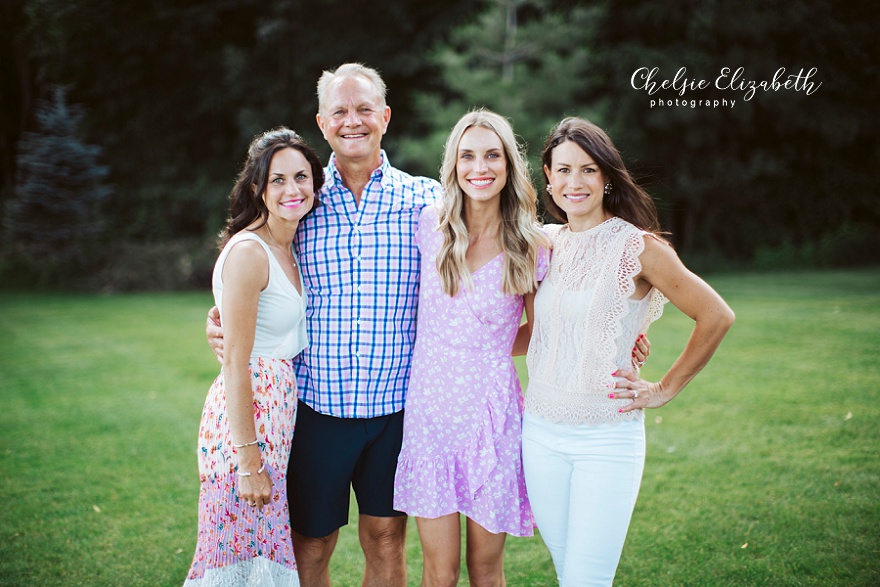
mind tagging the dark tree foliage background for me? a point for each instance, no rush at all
(172, 91)
(53, 222)
(784, 171)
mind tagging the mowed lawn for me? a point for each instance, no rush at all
(763, 472)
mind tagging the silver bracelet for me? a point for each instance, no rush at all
(255, 441)
(260, 470)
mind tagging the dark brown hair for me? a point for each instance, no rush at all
(246, 198)
(627, 199)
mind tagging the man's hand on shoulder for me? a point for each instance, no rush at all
(214, 332)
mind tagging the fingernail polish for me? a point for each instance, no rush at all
(620, 411)
(611, 395)
(614, 374)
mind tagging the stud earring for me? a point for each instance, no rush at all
(608, 188)
(549, 189)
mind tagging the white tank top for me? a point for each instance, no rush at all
(281, 313)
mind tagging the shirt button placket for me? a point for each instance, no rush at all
(356, 338)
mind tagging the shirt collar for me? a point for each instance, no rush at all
(379, 173)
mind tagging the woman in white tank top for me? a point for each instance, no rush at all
(244, 535)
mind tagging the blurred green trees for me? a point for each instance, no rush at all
(174, 90)
(782, 179)
(526, 59)
(53, 220)
(781, 171)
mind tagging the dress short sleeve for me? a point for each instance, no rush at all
(429, 217)
(543, 263)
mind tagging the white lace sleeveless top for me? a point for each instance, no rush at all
(586, 323)
(281, 312)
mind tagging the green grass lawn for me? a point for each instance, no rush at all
(763, 472)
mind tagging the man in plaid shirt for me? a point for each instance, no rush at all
(360, 265)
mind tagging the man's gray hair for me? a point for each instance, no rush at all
(348, 70)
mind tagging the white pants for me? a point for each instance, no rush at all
(583, 482)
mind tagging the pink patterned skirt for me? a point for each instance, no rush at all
(238, 544)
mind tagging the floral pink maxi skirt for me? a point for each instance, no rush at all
(238, 544)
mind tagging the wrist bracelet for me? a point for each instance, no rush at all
(260, 470)
(255, 441)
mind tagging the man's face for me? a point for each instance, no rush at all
(353, 119)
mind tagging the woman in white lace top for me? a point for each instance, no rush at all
(610, 274)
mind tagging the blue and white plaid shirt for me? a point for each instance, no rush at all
(361, 268)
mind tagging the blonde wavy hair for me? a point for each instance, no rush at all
(519, 235)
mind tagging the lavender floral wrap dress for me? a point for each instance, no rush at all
(462, 434)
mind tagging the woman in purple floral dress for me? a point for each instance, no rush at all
(482, 258)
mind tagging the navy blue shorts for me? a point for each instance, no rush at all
(328, 457)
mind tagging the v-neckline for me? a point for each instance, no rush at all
(481, 267)
(281, 268)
